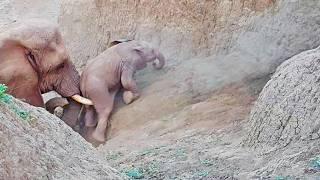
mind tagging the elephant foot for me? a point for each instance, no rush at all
(90, 122)
(98, 136)
(128, 97)
(86, 133)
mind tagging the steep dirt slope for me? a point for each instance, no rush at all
(181, 29)
(37, 145)
(12, 10)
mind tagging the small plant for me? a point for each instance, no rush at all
(281, 178)
(4, 97)
(3, 89)
(207, 162)
(202, 174)
(181, 154)
(135, 173)
(7, 99)
(152, 168)
(315, 163)
(148, 170)
(22, 113)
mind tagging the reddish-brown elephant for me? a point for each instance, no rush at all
(34, 60)
(105, 75)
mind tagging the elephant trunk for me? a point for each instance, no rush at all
(161, 60)
(71, 109)
(69, 85)
(55, 102)
(68, 81)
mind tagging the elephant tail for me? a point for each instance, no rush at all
(55, 102)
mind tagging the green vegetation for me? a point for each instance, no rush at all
(180, 154)
(7, 99)
(201, 174)
(135, 173)
(207, 162)
(315, 163)
(282, 178)
(4, 97)
(147, 170)
(152, 168)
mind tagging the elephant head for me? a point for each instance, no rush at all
(38, 47)
(148, 54)
(145, 50)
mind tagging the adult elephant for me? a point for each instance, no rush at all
(105, 75)
(34, 60)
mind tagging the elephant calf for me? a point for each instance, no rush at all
(106, 74)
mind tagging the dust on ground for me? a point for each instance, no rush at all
(199, 142)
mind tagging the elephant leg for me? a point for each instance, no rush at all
(36, 100)
(34, 97)
(86, 133)
(103, 106)
(131, 92)
(70, 113)
(89, 118)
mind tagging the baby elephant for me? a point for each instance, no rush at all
(107, 73)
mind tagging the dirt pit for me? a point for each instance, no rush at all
(203, 140)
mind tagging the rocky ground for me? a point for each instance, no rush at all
(37, 145)
(205, 141)
(201, 141)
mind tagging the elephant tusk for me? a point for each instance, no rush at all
(82, 100)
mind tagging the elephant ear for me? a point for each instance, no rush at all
(14, 45)
(113, 43)
(138, 48)
(142, 45)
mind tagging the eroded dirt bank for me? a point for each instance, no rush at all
(34, 144)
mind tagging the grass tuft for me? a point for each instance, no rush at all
(7, 99)
(135, 173)
(315, 163)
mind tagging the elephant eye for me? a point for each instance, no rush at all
(31, 59)
(61, 66)
(30, 56)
